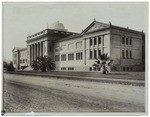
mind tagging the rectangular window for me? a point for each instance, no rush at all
(90, 42)
(70, 68)
(130, 54)
(57, 58)
(127, 68)
(126, 41)
(99, 52)
(131, 68)
(95, 41)
(63, 68)
(79, 56)
(90, 68)
(95, 54)
(99, 40)
(122, 53)
(124, 69)
(126, 53)
(130, 41)
(63, 57)
(70, 56)
(99, 69)
(90, 54)
(94, 68)
(123, 40)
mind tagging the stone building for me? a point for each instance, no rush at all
(77, 52)
(19, 57)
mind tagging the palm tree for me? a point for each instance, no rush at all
(43, 64)
(103, 62)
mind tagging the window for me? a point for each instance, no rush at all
(99, 52)
(94, 68)
(90, 42)
(122, 53)
(95, 54)
(130, 54)
(123, 40)
(63, 57)
(95, 41)
(71, 56)
(63, 68)
(130, 41)
(126, 41)
(126, 53)
(57, 58)
(70, 68)
(91, 54)
(127, 68)
(90, 68)
(131, 68)
(99, 69)
(79, 56)
(23, 60)
(124, 69)
(99, 40)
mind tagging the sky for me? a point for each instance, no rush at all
(21, 19)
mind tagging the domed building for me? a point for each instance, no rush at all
(58, 26)
(72, 51)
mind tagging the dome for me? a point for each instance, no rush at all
(58, 26)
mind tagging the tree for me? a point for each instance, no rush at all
(5, 65)
(103, 62)
(10, 67)
(43, 64)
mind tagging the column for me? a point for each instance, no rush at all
(34, 51)
(46, 48)
(37, 49)
(30, 54)
(102, 44)
(92, 48)
(89, 49)
(41, 48)
(97, 47)
(84, 51)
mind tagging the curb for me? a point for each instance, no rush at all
(92, 79)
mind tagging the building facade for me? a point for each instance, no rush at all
(77, 52)
(19, 57)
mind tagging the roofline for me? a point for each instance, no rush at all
(69, 37)
(126, 29)
(51, 30)
(89, 26)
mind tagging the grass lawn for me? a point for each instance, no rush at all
(116, 75)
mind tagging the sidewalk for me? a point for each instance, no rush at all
(83, 78)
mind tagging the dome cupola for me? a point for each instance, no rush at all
(58, 26)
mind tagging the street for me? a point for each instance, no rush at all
(40, 94)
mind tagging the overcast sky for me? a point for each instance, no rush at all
(22, 18)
